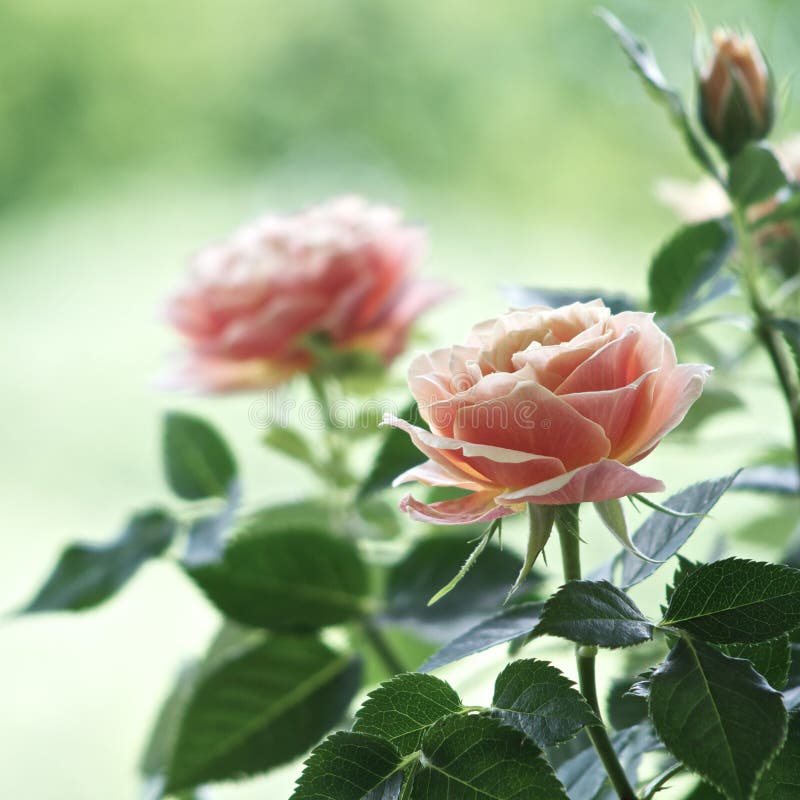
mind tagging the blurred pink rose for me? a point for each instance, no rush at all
(545, 406)
(341, 271)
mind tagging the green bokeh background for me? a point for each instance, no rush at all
(134, 133)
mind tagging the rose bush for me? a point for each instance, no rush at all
(545, 406)
(338, 275)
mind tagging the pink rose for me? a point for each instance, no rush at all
(545, 406)
(341, 271)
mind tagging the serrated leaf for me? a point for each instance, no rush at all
(347, 766)
(287, 579)
(86, 575)
(478, 758)
(594, 613)
(402, 709)
(781, 780)
(662, 535)
(770, 659)
(430, 565)
(755, 174)
(644, 64)
(735, 600)
(197, 461)
(261, 707)
(526, 296)
(687, 262)
(717, 715)
(396, 455)
(512, 622)
(539, 700)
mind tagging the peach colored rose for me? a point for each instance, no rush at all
(545, 406)
(341, 271)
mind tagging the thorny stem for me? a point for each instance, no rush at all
(568, 534)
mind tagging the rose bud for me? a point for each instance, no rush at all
(545, 406)
(736, 93)
(289, 294)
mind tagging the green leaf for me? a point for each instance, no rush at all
(197, 461)
(164, 732)
(480, 759)
(625, 708)
(508, 624)
(662, 535)
(770, 659)
(535, 697)
(88, 574)
(291, 443)
(397, 454)
(644, 64)
(261, 707)
(717, 715)
(781, 780)
(429, 566)
(613, 517)
(686, 263)
(735, 600)
(594, 613)
(402, 709)
(347, 766)
(755, 174)
(289, 579)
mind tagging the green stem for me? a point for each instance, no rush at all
(568, 534)
(766, 333)
(382, 647)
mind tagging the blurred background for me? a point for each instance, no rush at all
(134, 133)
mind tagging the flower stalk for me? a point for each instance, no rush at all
(567, 524)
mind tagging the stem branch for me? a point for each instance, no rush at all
(568, 530)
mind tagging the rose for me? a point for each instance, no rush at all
(286, 292)
(545, 406)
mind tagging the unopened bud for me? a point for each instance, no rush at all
(735, 92)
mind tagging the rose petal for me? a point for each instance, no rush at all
(482, 464)
(670, 403)
(614, 410)
(467, 510)
(605, 480)
(433, 473)
(531, 419)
